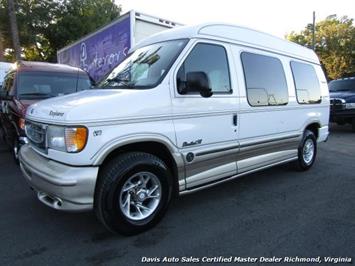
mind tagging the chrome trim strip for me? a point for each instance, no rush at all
(214, 183)
(247, 144)
(129, 120)
(217, 150)
(269, 141)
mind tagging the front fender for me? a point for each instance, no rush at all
(99, 157)
(116, 143)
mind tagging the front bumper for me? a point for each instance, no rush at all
(57, 185)
(339, 115)
(339, 111)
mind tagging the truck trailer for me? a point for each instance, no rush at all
(99, 52)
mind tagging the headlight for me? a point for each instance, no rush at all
(67, 139)
(55, 138)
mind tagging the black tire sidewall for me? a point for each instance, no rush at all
(112, 214)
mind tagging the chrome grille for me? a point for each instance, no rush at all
(36, 133)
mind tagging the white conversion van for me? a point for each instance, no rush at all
(189, 108)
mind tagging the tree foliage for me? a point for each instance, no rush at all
(334, 44)
(48, 25)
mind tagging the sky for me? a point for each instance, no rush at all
(276, 17)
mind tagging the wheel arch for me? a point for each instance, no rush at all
(164, 150)
(314, 127)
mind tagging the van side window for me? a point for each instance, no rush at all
(306, 83)
(8, 82)
(211, 59)
(265, 80)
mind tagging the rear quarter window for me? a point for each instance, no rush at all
(306, 83)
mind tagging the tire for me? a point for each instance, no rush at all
(114, 190)
(306, 160)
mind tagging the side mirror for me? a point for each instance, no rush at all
(197, 82)
(3, 95)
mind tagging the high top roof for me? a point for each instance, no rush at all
(234, 34)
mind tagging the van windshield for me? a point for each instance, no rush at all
(145, 67)
(32, 85)
(342, 85)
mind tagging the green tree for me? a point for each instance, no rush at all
(48, 25)
(14, 29)
(334, 44)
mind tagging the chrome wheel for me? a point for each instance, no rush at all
(308, 151)
(140, 195)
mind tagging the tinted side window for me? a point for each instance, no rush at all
(9, 82)
(265, 80)
(83, 84)
(306, 83)
(211, 59)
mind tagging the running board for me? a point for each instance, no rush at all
(225, 179)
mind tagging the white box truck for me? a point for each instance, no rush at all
(99, 52)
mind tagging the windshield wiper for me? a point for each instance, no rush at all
(117, 79)
(124, 83)
(35, 94)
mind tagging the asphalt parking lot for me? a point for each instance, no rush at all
(278, 212)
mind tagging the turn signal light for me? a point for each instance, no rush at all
(21, 123)
(76, 138)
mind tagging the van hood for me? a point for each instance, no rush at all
(92, 106)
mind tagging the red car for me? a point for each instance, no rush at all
(28, 83)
